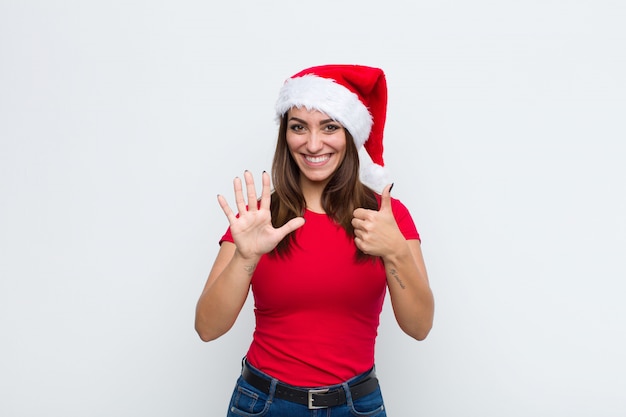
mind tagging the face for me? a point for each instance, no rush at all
(317, 144)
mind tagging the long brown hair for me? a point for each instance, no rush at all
(342, 195)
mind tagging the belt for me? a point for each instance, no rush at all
(313, 398)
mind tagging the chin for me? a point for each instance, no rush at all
(318, 176)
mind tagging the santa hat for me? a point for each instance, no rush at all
(353, 95)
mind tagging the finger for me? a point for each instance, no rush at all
(357, 223)
(360, 244)
(385, 202)
(266, 193)
(239, 200)
(253, 205)
(360, 213)
(226, 209)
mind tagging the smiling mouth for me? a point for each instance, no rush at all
(317, 159)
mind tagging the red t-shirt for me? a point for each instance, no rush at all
(317, 309)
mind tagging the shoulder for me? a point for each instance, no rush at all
(399, 209)
(403, 218)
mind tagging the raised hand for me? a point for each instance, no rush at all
(376, 232)
(252, 230)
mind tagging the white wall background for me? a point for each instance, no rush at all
(121, 120)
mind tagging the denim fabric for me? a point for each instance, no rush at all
(248, 401)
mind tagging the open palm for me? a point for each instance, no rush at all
(252, 230)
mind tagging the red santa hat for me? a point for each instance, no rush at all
(353, 95)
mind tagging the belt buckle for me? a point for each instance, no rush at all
(310, 397)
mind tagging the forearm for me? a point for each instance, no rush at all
(223, 297)
(410, 292)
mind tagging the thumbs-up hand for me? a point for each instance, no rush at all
(376, 232)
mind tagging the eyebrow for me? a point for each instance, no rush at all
(322, 122)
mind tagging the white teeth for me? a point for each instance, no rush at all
(317, 159)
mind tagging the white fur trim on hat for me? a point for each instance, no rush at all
(374, 176)
(326, 95)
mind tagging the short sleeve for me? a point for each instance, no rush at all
(404, 220)
(228, 237)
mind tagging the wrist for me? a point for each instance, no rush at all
(398, 253)
(247, 262)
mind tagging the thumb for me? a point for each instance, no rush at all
(291, 225)
(385, 198)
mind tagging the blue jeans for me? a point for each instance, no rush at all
(247, 401)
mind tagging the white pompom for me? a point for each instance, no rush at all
(374, 176)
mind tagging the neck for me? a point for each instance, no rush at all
(312, 192)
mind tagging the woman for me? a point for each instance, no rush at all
(318, 252)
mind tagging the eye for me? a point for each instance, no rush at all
(296, 127)
(332, 128)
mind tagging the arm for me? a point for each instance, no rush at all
(228, 283)
(377, 234)
(411, 297)
(224, 294)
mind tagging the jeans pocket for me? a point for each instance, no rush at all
(370, 405)
(247, 401)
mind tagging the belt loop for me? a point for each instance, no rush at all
(346, 389)
(273, 384)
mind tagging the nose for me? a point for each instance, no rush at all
(314, 142)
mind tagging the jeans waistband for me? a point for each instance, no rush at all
(314, 398)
